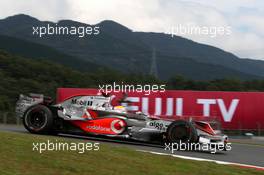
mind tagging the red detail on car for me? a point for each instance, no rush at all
(118, 126)
(92, 113)
(204, 127)
(111, 126)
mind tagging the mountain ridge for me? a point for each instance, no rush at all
(120, 48)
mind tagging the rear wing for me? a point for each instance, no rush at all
(26, 101)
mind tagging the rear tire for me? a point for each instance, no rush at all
(39, 119)
(181, 130)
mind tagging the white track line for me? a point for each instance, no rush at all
(207, 160)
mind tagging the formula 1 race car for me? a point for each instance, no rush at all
(94, 115)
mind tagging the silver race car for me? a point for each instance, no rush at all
(94, 115)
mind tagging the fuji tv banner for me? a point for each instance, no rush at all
(235, 110)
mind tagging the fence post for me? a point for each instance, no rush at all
(17, 120)
(5, 117)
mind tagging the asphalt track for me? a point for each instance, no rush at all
(246, 154)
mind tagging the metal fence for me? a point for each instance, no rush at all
(9, 118)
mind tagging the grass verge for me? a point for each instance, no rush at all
(17, 157)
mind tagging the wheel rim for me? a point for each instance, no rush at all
(180, 133)
(37, 119)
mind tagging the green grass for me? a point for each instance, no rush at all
(17, 157)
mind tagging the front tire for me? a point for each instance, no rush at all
(181, 131)
(39, 119)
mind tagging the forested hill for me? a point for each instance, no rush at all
(24, 75)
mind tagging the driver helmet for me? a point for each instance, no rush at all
(120, 108)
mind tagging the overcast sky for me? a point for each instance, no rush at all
(245, 17)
